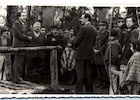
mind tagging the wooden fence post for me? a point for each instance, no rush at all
(54, 70)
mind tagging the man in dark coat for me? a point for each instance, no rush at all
(35, 58)
(131, 36)
(19, 40)
(99, 50)
(83, 45)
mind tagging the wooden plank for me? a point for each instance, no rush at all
(23, 49)
(6, 91)
(24, 84)
(24, 88)
(10, 87)
(54, 70)
(21, 85)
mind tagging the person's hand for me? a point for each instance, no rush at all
(132, 49)
(29, 38)
(46, 36)
(96, 51)
(53, 39)
(72, 38)
(122, 84)
(48, 33)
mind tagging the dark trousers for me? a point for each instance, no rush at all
(83, 70)
(17, 68)
(33, 65)
(102, 75)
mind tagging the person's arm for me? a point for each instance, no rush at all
(115, 53)
(106, 56)
(77, 40)
(17, 32)
(115, 72)
(134, 38)
(104, 42)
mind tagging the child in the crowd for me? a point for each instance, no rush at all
(5, 40)
(121, 74)
(132, 75)
(115, 59)
(68, 64)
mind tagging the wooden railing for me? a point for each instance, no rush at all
(53, 59)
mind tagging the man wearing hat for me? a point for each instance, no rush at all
(99, 50)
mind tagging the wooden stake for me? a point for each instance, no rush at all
(54, 70)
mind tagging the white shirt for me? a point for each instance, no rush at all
(36, 34)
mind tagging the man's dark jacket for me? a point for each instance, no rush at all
(19, 34)
(36, 41)
(84, 42)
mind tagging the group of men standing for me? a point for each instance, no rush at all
(115, 51)
(83, 45)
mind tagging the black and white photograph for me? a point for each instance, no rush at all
(70, 49)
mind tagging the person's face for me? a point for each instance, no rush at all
(102, 27)
(83, 19)
(54, 31)
(129, 22)
(123, 14)
(111, 38)
(37, 27)
(66, 31)
(120, 22)
(23, 17)
(123, 68)
(71, 31)
(43, 30)
(69, 44)
(6, 27)
(4, 34)
(60, 30)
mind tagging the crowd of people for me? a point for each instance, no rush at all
(114, 53)
(116, 50)
(24, 65)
